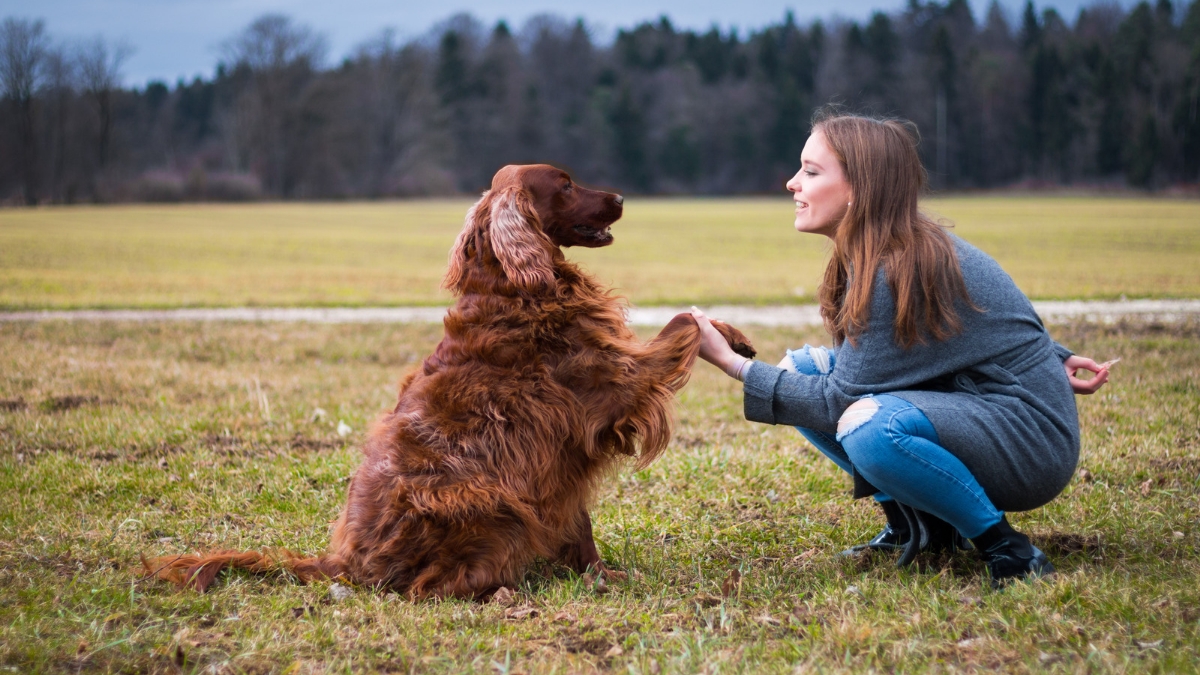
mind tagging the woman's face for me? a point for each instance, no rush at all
(819, 189)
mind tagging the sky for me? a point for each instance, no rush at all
(174, 39)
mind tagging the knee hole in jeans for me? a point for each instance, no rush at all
(859, 413)
(787, 363)
(819, 357)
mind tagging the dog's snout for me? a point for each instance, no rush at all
(619, 199)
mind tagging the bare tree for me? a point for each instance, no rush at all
(282, 57)
(22, 50)
(100, 73)
(59, 84)
(274, 42)
(388, 125)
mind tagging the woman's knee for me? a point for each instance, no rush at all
(886, 413)
(809, 360)
(864, 439)
(872, 430)
(859, 414)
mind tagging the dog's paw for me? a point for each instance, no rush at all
(738, 342)
(598, 574)
(614, 575)
(745, 349)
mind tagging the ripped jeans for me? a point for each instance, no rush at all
(893, 445)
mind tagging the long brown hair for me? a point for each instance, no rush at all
(883, 226)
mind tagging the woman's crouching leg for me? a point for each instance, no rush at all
(895, 447)
(809, 360)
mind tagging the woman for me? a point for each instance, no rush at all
(945, 397)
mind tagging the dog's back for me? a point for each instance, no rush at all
(487, 461)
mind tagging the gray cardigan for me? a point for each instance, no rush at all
(996, 393)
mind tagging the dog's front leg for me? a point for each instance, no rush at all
(670, 355)
(582, 555)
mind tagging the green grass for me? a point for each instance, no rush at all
(122, 439)
(667, 251)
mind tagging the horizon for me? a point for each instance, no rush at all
(181, 39)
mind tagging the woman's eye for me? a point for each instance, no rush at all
(810, 173)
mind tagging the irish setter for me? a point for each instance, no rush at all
(494, 449)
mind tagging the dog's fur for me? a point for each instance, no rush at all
(493, 450)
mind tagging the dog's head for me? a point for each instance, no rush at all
(529, 212)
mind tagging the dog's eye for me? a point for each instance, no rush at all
(568, 187)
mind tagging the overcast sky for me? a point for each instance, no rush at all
(182, 38)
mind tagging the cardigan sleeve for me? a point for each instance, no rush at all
(776, 396)
(1063, 352)
(759, 393)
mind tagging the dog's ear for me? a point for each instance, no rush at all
(457, 268)
(524, 251)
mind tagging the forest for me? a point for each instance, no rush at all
(1106, 99)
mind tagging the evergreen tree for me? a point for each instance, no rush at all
(680, 158)
(1187, 110)
(1111, 132)
(451, 77)
(629, 142)
(1031, 30)
(1144, 154)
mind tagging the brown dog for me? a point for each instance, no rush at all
(493, 450)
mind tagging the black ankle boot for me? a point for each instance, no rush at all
(894, 535)
(941, 536)
(1010, 555)
(930, 535)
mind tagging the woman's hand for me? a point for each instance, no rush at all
(1085, 387)
(714, 348)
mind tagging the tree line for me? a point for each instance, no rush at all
(1111, 98)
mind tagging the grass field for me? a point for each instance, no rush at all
(667, 251)
(117, 440)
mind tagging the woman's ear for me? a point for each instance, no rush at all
(524, 251)
(460, 252)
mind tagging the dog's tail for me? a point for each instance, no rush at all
(199, 571)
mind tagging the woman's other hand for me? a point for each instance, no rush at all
(714, 348)
(1073, 364)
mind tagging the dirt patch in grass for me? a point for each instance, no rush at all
(12, 404)
(65, 564)
(227, 445)
(28, 449)
(154, 450)
(309, 444)
(576, 644)
(686, 441)
(35, 449)
(1067, 543)
(1185, 465)
(235, 446)
(57, 404)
